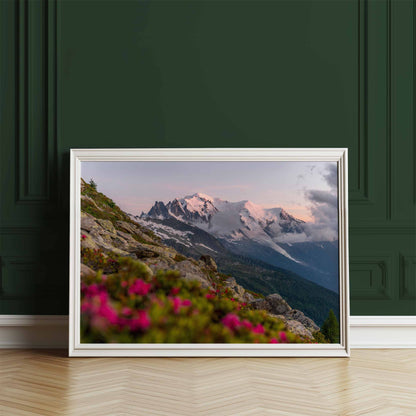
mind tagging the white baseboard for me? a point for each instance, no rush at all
(51, 331)
(383, 331)
(33, 331)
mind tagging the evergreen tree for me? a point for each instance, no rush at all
(93, 184)
(330, 328)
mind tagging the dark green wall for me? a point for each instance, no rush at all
(207, 74)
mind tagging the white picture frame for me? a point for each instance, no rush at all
(78, 349)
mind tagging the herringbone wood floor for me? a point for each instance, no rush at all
(372, 382)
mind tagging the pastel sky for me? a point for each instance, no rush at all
(135, 186)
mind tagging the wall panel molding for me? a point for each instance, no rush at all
(407, 282)
(359, 190)
(36, 101)
(373, 275)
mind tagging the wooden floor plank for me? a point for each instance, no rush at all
(371, 382)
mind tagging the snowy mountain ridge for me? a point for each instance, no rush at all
(232, 221)
(270, 235)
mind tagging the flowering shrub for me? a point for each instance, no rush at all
(96, 259)
(132, 305)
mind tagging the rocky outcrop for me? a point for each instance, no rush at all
(274, 304)
(295, 320)
(191, 271)
(238, 291)
(86, 271)
(209, 262)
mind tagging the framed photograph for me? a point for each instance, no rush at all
(209, 252)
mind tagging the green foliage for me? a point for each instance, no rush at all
(330, 328)
(134, 306)
(320, 338)
(96, 259)
(93, 184)
(255, 294)
(179, 257)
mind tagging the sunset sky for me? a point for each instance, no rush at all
(135, 186)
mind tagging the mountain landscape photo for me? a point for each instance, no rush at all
(203, 260)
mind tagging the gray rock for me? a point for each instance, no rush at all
(143, 252)
(209, 262)
(303, 319)
(189, 271)
(238, 291)
(88, 222)
(133, 229)
(86, 271)
(294, 326)
(273, 304)
(88, 242)
(107, 225)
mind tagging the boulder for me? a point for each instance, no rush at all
(238, 291)
(143, 252)
(86, 271)
(158, 263)
(209, 262)
(303, 319)
(133, 229)
(107, 225)
(189, 271)
(294, 326)
(273, 304)
(88, 222)
(88, 242)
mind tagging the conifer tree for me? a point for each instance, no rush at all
(330, 328)
(93, 184)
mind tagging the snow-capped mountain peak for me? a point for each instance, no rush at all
(231, 220)
(200, 196)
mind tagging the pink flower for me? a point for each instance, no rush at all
(231, 321)
(247, 324)
(123, 283)
(126, 311)
(258, 329)
(103, 296)
(210, 296)
(85, 306)
(175, 290)
(83, 236)
(178, 303)
(142, 322)
(104, 277)
(107, 312)
(92, 290)
(139, 287)
(273, 341)
(283, 337)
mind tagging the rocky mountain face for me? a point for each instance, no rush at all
(112, 231)
(236, 220)
(270, 235)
